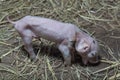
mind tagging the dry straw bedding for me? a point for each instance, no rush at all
(100, 18)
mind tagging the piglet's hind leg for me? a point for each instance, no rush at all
(28, 47)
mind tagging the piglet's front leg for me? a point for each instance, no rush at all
(65, 50)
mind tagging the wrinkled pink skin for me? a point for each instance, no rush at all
(63, 34)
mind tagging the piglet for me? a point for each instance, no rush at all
(63, 34)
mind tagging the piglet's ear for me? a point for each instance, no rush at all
(83, 46)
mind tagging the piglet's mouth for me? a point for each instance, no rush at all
(95, 60)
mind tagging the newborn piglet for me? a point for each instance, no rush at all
(63, 34)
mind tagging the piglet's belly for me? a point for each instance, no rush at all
(51, 36)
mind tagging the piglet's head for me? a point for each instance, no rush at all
(87, 48)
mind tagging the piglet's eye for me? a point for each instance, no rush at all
(92, 54)
(93, 41)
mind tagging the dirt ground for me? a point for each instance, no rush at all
(100, 18)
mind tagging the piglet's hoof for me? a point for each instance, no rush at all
(34, 59)
(67, 64)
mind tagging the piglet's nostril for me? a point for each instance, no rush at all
(93, 41)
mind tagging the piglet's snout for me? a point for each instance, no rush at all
(94, 60)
